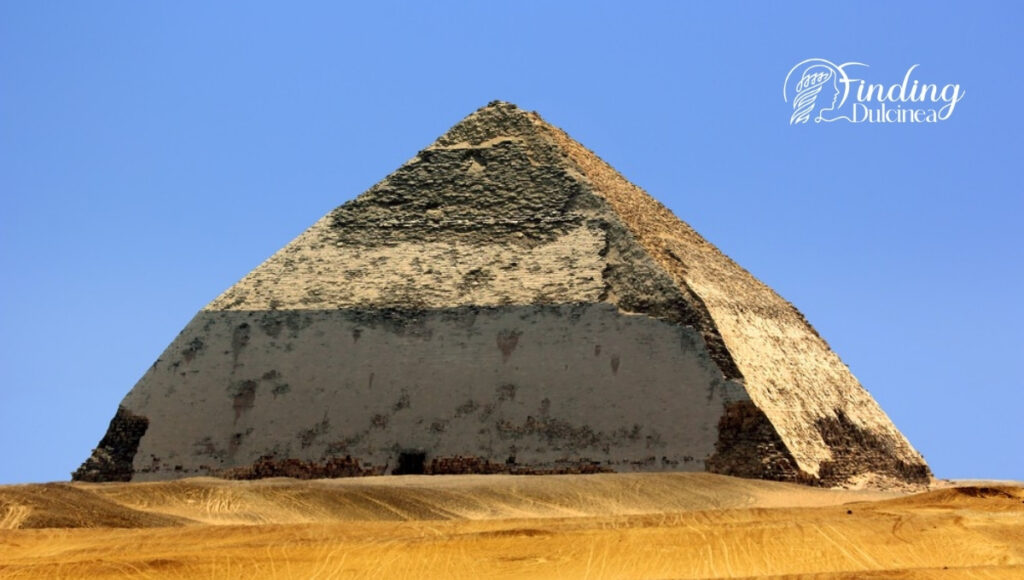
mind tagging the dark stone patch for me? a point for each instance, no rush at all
(399, 321)
(203, 447)
(236, 441)
(856, 450)
(507, 342)
(270, 466)
(654, 441)
(486, 412)
(474, 279)
(403, 401)
(507, 392)
(468, 407)
(243, 397)
(308, 436)
(274, 321)
(271, 324)
(615, 364)
(193, 349)
(112, 460)
(240, 338)
(561, 434)
(749, 446)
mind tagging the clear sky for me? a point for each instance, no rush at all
(153, 153)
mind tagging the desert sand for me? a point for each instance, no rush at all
(500, 526)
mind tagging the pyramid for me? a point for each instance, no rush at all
(504, 302)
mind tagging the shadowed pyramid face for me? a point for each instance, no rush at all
(503, 302)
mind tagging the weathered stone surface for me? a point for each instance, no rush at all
(112, 459)
(505, 301)
(547, 384)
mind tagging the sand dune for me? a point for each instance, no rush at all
(596, 526)
(468, 497)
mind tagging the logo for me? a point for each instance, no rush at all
(821, 90)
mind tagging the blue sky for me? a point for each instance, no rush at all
(153, 153)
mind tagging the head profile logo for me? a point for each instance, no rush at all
(817, 89)
(825, 92)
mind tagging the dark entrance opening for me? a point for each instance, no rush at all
(410, 462)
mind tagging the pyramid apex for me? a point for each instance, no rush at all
(503, 108)
(500, 103)
(495, 119)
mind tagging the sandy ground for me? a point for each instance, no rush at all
(453, 527)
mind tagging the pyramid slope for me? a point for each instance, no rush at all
(790, 373)
(504, 301)
(488, 215)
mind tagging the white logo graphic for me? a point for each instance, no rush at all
(821, 90)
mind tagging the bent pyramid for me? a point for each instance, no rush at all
(503, 302)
